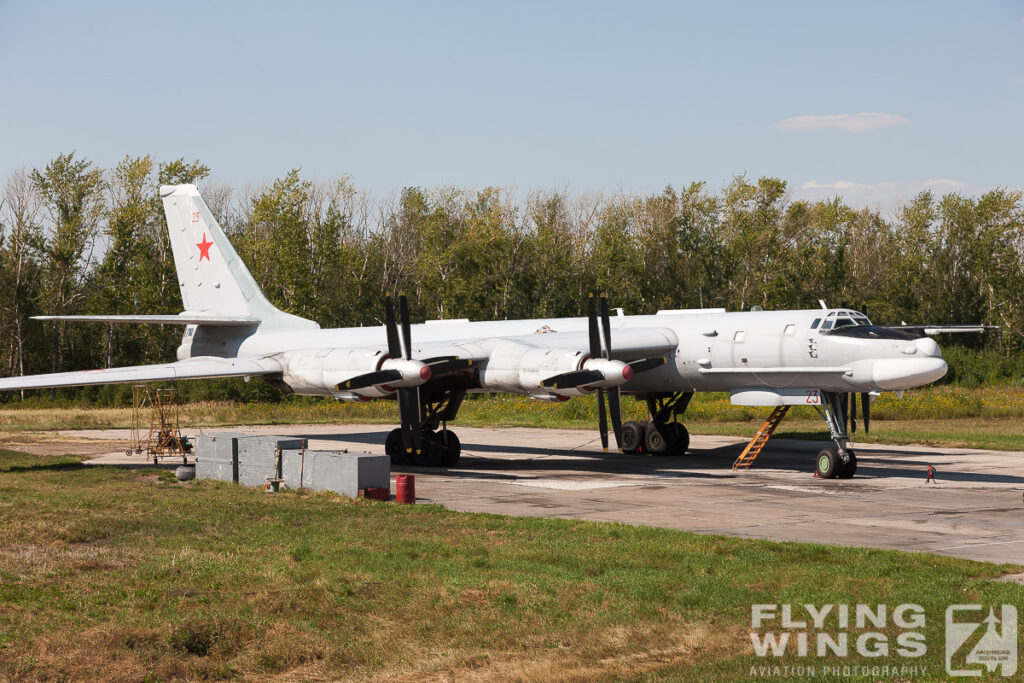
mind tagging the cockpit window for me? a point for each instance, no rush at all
(845, 322)
(827, 325)
(814, 325)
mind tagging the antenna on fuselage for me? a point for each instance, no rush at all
(822, 302)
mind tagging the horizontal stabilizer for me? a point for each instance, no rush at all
(192, 368)
(180, 319)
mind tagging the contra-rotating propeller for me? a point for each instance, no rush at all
(601, 370)
(403, 374)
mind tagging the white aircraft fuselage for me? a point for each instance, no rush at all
(781, 350)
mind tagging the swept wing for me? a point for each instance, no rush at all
(192, 368)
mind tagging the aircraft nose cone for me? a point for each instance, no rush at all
(926, 346)
(893, 374)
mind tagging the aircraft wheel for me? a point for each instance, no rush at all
(451, 448)
(828, 463)
(849, 469)
(394, 447)
(632, 437)
(679, 438)
(654, 440)
(431, 451)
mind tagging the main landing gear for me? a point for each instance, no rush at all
(839, 462)
(440, 447)
(659, 436)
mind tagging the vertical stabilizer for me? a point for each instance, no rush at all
(212, 277)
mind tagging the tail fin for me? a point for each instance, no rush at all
(212, 277)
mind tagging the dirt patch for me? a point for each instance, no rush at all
(615, 654)
(1013, 578)
(52, 443)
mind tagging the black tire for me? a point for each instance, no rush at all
(632, 437)
(394, 447)
(679, 438)
(451, 448)
(430, 451)
(655, 442)
(827, 463)
(849, 469)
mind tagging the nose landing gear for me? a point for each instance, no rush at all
(839, 462)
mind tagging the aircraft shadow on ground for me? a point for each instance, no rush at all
(797, 455)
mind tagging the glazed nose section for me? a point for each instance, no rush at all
(893, 374)
(926, 346)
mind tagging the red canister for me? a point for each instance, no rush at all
(405, 488)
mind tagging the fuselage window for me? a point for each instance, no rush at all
(790, 329)
(739, 336)
(814, 325)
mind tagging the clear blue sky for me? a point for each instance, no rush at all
(584, 95)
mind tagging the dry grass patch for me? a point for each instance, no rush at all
(119, 575)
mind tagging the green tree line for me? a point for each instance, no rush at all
(79, 239)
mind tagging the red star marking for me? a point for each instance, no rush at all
(204, 248)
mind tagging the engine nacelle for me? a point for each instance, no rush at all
(521, 368)
(318, 371)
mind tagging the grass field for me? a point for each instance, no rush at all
(989, 417)
(128, 575)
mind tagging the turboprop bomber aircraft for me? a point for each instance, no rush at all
(821, 358)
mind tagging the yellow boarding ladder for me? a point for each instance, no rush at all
(753, 449)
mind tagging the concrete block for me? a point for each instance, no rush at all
(217, 457)
(344, 473)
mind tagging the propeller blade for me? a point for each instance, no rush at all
(606, 326)
(369, 379)
(394, 347)
(602, 419)
(446, 365)
(403, 310)
(615, 409)
(853, 413)
(646, 364)
(595, 336)
(571, 380)
(865, 406)
(409, 415)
